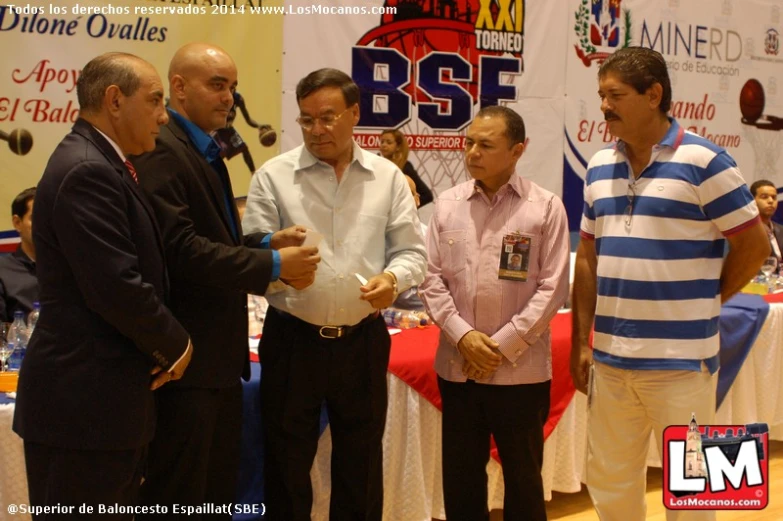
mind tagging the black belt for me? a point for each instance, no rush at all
(329, 332)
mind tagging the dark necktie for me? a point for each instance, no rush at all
(132, 171)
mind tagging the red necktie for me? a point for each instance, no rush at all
(132, 171)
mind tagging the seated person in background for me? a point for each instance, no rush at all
(409, 299)
(766, 196)
(394, 147)
(18, 283)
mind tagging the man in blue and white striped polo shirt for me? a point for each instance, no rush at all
(650, 274)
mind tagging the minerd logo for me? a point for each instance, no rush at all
(602, 28)
(695, 41)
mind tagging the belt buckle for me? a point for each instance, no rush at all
(331, 332)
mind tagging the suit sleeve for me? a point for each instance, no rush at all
(90, 218)
(167, 177)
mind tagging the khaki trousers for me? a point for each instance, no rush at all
(624, 407)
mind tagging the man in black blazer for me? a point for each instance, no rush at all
(766, 196)
(104, 340)
(194, 458)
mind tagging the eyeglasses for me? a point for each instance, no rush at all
(328, 121)
(631, 195)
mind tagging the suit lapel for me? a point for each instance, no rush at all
(89, 132)
(208, 177)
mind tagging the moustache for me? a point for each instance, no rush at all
(610, 115)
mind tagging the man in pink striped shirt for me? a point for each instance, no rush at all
(494, 361)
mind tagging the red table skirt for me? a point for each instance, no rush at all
(774, 298)
(413, 356)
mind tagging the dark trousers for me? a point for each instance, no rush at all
(71, 478)
(194, 457)
(515, 416)
(299, 371)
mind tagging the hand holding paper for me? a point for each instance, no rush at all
(312, 238)
(291, 236)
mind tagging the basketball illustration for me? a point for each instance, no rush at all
(20, 141)
(752, 100)
(423, 26)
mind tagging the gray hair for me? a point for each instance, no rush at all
(112, 68)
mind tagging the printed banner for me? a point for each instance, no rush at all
(724, 62)
(426, 67)
(47, 43)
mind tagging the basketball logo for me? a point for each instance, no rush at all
(752, 101)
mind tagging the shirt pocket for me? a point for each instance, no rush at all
(531, 228)
(453, 252)
(369, 234)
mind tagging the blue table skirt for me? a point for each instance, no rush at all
(250, 485)
(741, 319)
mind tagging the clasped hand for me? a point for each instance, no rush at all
(481, 355)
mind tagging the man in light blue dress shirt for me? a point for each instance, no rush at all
(328, 342)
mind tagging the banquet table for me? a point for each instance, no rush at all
(412, 463)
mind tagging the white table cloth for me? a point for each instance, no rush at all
(412, 447)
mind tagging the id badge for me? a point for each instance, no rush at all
(515, 257)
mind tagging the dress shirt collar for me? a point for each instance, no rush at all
(203, 142)
(307, 159)
(515, 184)
(114, 145)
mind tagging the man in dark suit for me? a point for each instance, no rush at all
(766, 196)
(104, 340)
(194, 458)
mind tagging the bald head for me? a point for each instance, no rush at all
(202, 79)
(194, 56)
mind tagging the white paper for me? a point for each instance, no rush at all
(275, 287)
(312, 238)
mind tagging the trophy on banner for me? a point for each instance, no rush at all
(231, 143)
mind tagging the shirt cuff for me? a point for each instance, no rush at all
(266, 242)
(403, 276)
(510, 343)
(180, 358)
(455, 328)
(275, 264)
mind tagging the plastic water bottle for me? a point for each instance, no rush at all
(32, 319)
(404, 319)
(17, 337)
